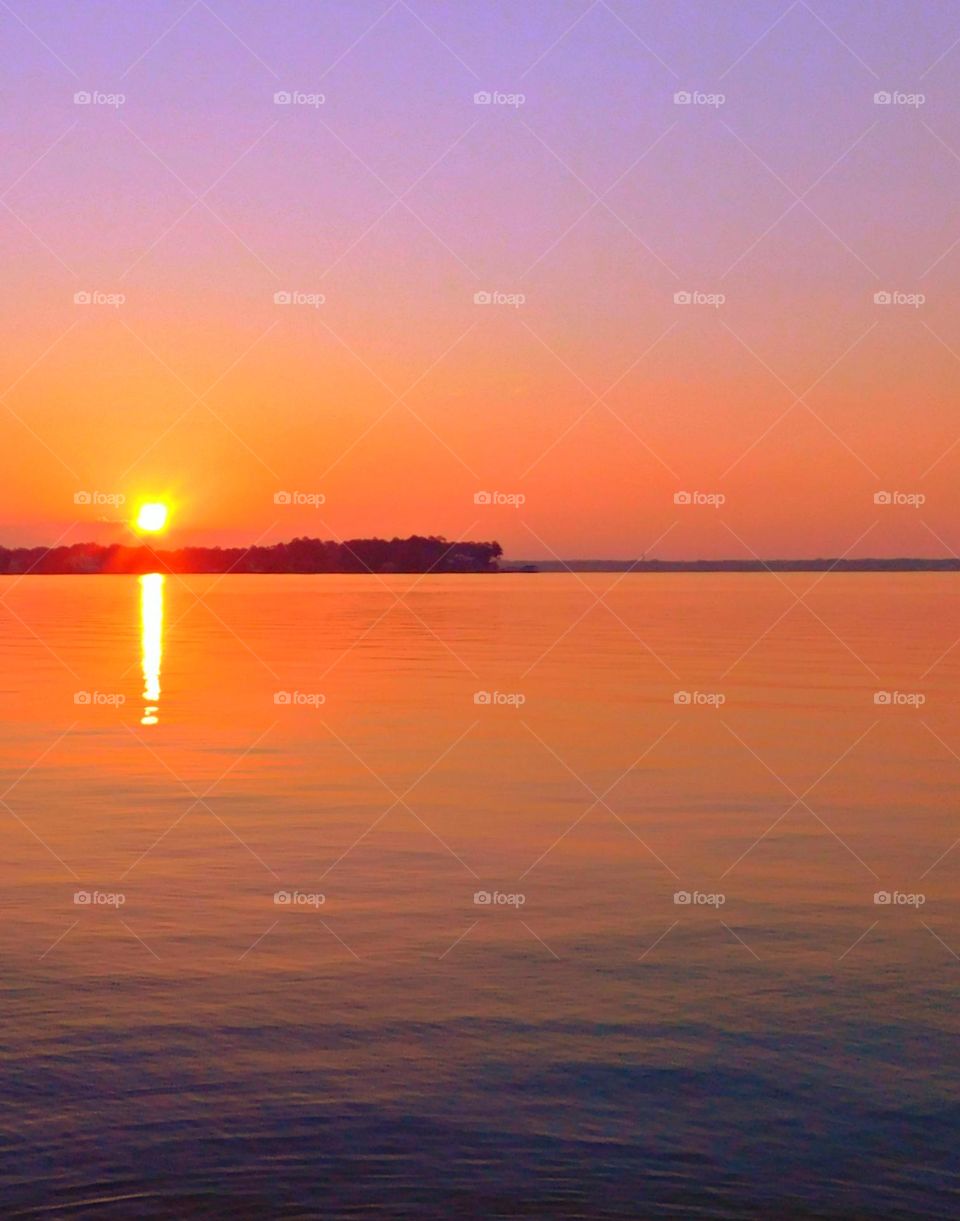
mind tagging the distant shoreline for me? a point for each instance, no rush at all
(418, 554)
(156, 563)
(653, 566)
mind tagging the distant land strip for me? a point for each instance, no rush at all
(901, 564)
(416, 554)
(300, 555)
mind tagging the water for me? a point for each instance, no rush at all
(397, 1049)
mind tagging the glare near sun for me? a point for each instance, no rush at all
(152, 517)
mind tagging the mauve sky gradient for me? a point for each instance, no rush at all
(398, 199)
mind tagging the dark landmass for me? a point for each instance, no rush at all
(904, 564)
(414, 554)
(377, 555)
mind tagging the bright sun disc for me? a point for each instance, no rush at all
(152, 517)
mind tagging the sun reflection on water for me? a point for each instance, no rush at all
(151, 643)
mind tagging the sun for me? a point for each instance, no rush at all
(152, 517)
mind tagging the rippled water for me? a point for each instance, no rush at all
(780, 1045)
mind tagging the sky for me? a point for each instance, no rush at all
(681, 281)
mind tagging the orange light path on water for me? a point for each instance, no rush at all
(151, 643)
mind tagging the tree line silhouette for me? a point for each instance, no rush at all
(418, 553)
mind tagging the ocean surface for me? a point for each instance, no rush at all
(573, 896)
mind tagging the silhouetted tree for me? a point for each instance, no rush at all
(300, 555)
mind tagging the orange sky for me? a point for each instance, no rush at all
(597, 198)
